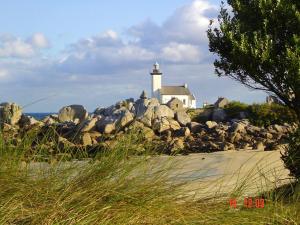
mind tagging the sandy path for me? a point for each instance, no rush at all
(246, 172)
(210, 174)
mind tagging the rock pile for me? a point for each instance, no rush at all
(238, 135)
(167, 124)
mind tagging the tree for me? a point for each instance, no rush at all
(258, 44)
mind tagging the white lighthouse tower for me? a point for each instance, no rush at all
(156, 81)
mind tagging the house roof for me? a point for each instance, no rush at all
(176, 90)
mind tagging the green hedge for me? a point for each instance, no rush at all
(262, 114)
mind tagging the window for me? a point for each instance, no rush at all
(184, 101)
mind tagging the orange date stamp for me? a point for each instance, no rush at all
(249, 202)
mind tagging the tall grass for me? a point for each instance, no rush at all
(115, 187)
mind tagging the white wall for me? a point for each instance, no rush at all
(156, 85)
(193, 104)
(184, 98)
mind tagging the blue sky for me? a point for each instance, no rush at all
(97, 52)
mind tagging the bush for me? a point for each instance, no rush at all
(262, 114)
(234, 108)
(291, 157)
(268, 114)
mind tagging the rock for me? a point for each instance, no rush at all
(86, 139)
(163, 111)
(166, 136)
(72, 113)
(195, 127)
(253, 130)
(177, 145)
(137, 125)
(227, 146)
(238, 127)
(51, 119)
(154, 111)
(247, 138)
(211, 124)
(174, 125)
(182, 117)
(146, 118)
(205, 114)
(247, 146)
(161, 125)
(143, 95)
(99, 111)
(130, 107)
(148, 133)
(10, 113)
(278, 128)
(95, 136)
(63, 143)
(106, 125)
(183, 132)
(235, 137)
(267, 135)
(175, 104)
(109, 128)
(89, 125)
(219, 115)
(125, 118)
(213, 146)
(26, 121)
(259, 146)
(141, 106)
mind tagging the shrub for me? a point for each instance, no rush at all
(268, 114)
(291, 157)
(234, 108)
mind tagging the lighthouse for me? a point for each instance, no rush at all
(156, 81)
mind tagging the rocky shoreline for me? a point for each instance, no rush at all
(167, 126)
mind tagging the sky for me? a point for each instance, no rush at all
(95, 53)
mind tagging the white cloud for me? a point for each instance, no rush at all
(103, 53)
(189, 23)
(39, 40)
(3, 73)
(110, 34)
(181, 39)
(179, 53)
(11, 46)
(16, 47)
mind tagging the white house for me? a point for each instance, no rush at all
(166, 93)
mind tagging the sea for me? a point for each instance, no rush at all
(39, 116)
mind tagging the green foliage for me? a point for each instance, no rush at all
(291, 157)
(258, 44)
(262, 114)
(258, 114)
(268, 114)
(234, 108)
